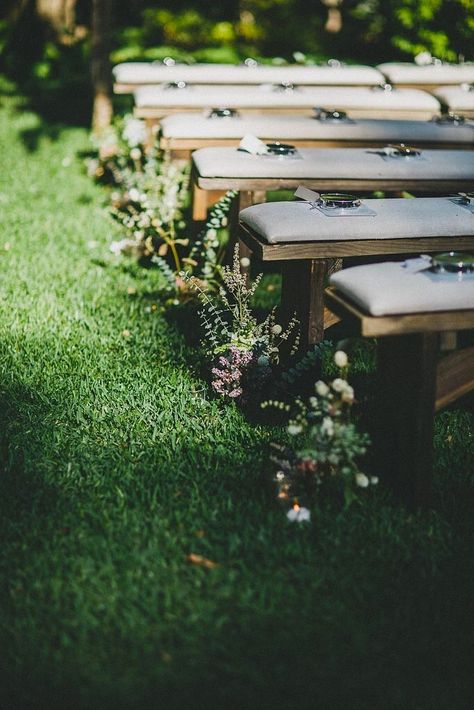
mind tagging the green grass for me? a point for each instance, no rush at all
(116, 462)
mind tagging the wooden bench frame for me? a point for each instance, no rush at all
(305, 267)
(184, 147)
(252, 190)
(412, 385)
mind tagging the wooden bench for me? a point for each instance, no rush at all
(325, 169)
(154, 103)
(183, 133)
(129, 75)
(308, 245)
(413, 382)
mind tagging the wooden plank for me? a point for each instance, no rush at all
(286, 251)
(302, 295)
(157, 112)
(191, 144)
(398, 324)
(455, 377)
(367, 185)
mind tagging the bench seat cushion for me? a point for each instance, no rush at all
(456, 98)
(408, 73)
(282, 222)
(199, 126)
(266, 96)
(150, 73)
(328, 163)
(388, 288)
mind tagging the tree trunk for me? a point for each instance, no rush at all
(100, 64)
(60, 14)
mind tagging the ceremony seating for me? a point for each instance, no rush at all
(182, 133)
(408, 312)
(154, 103)
(305, 240)
(129, 75)
(356, 169)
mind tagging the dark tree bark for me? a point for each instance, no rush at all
(100, 64)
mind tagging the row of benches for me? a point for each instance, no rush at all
(309, 238)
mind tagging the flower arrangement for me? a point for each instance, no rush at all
(242, 350)
(120, 148)
(326, 449)
(150, 208)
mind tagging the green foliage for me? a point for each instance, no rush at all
(57, 73)
(116, 464)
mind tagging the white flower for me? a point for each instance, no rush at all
(299, 515)
(321, 388)
(276, 329)
(299, 57)
(280, 476)
(294, 429)
(339, 385)
(122, 246)
(134, 132)
(245, 262)
(374, 480)
(211, 233)
(362, 480)
(340, 358)
(135, 154)
(327, 426)
(134, 195)
(347, 394)
(423, 58)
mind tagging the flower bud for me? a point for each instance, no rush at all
(340, 358)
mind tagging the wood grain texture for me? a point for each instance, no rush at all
(402, 324)
(439, 186)
(455, 377)
(286, 251)
(183, 147)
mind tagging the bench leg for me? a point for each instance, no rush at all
(200, 203)
(403, 437)
(302, 294)
(245, 198)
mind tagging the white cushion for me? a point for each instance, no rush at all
(275, 127)
(407, 73)
(332, 97)
(149, 73)
(456, 98)
(388, 288)
(394, 219)
(334, 163)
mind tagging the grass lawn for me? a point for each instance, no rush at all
(117, 462)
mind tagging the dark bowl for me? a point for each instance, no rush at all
(453, 262)
(449, 119)
(223, 112)
(278, 148)
(176, 85)
(339, 200)
(324, 114)
(404, 151)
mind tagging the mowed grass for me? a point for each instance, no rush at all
(116, 463)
